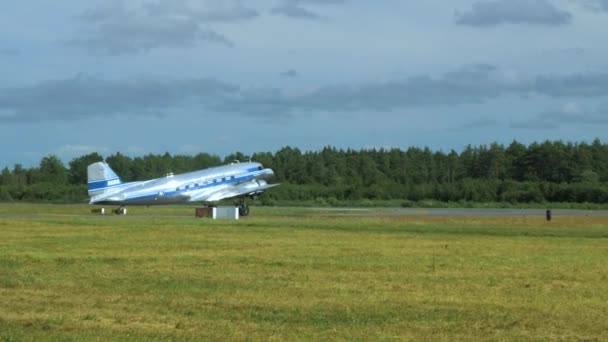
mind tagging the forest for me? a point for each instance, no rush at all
(540, 172)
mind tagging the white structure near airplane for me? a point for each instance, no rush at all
(237, 180)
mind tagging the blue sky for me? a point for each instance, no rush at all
(218, 76)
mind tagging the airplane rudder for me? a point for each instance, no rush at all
(100, 177)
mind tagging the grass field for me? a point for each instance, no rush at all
(289, 274)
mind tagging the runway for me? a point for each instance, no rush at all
(460, 212)
(188, 211)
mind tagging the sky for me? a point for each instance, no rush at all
(219, 76)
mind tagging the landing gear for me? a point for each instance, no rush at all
(120, 211)
(244, 210)
(243, 207)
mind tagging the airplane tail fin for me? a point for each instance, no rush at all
(101, 178)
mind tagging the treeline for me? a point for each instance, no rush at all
(552, 171)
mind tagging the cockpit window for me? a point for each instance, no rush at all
(260, 167)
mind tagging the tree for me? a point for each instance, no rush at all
(600, 159)
(236, 156)
(7, 178)
(496, 162)
(52, 170)
(78, 167)
(516, 166)
(5, 196)
(20, 174)
(454, 168)
(588, 176)
(122, 165)
(552, 171)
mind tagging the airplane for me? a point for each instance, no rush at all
(236, 180)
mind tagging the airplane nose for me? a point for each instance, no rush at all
(267, 173)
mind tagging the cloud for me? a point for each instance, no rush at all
(596, 5)
(567, 114)
(535, 124)
(294, 11)
(492, 13)
(69, 152)
(479, 123)
(603, 4)
(9, 52)
(584, 85)
(289, 73)
(121, 38)
(297, 8)
(263, 103)
(134, 150)
(7, 114)
(117, 28)
(467, 85)
(575, 113)
(205, 11)
(571, 52)
(84, 97)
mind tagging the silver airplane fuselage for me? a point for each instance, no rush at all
(237, 180)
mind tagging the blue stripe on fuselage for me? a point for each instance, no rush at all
(108, 183)
(191, 187)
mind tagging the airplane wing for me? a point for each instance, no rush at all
(244, 189)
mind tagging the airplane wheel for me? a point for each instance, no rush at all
(243, 210)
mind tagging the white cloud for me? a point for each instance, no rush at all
(7, 114)
(84, 97)
(298, 9)
(495, 12)
(569, 113)
(596, 5)
(69, 152)
(120, 27)
(163, 69)
(289, 73)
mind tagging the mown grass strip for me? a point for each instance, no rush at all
(311, 278)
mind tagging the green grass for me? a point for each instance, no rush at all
(282, 275)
